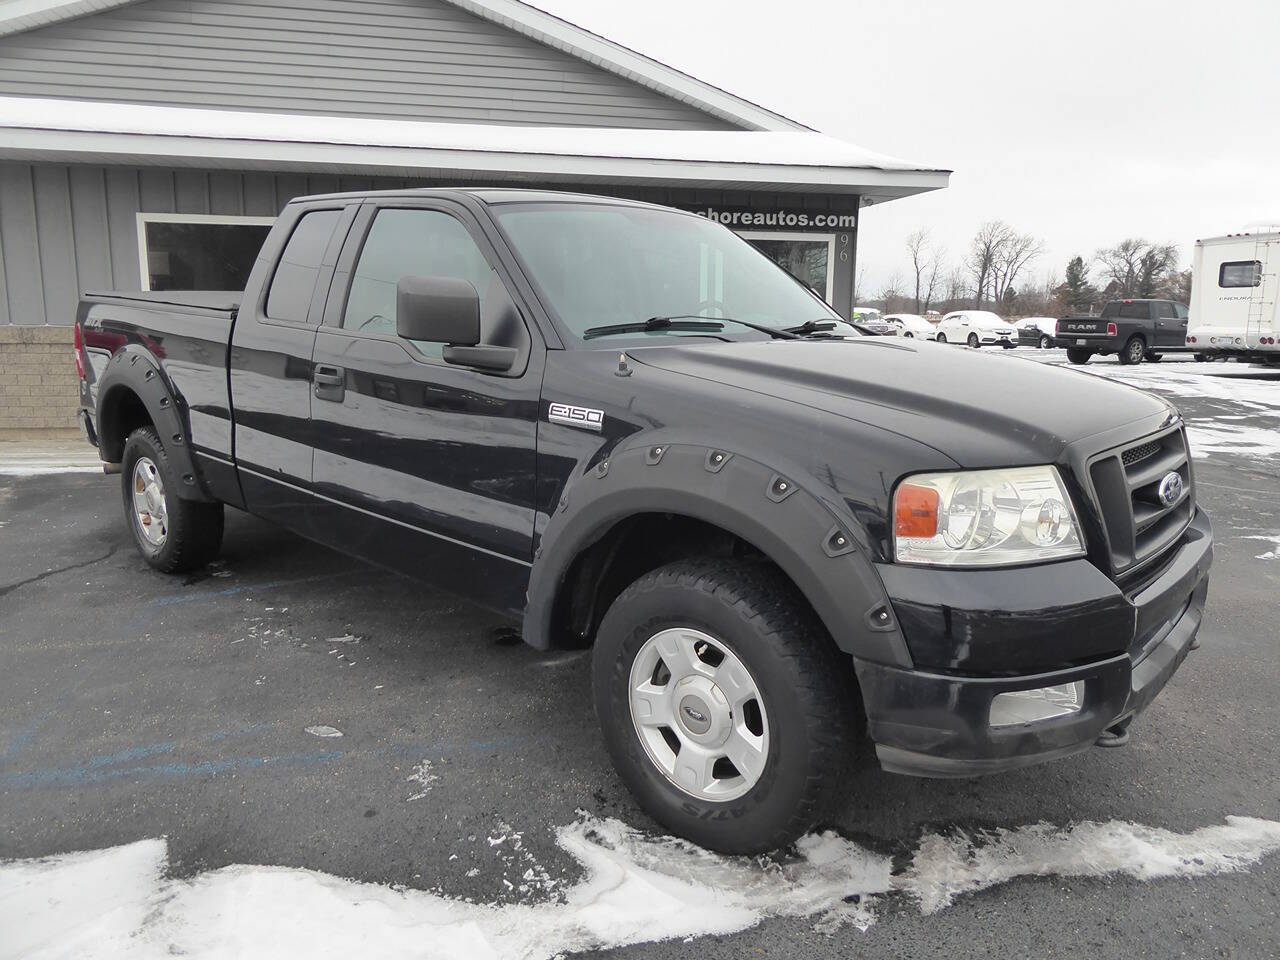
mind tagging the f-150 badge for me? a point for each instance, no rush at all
(572, 416)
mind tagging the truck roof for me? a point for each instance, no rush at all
(487, 195)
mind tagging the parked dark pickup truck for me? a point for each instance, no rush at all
(1135, 329)
(622, 427)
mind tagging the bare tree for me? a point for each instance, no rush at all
(1121, 264)
(1014, 253)
(891, 294)
(983, 252)
(922, 261)
(934, 281)
(957, 285)
(859, 285)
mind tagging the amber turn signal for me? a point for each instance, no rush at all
(915, 511)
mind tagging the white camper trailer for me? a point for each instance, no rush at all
(1233, 297)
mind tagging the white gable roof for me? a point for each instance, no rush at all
(17, 16)
(71, 131)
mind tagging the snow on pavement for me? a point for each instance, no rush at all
(1251, 430)
(117, 902)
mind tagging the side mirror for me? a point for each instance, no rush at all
(438, 310)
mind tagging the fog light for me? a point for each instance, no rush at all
(1030, 706)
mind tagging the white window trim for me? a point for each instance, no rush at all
(144, 268)
(792, 235)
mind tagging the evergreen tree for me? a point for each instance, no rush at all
(1077, 292)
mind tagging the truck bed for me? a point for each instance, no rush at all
(214, 301)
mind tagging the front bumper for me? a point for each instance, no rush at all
(934, 721)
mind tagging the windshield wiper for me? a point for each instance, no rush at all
(776, 332)
(684, 321)
(654, 323)
(818, 330)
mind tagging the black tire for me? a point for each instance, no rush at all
(806, 691)
(974, 342)
(1135, 348)
(941, 338)
(193, 530)
(1201, 357)
(909, 335)
(1046, 343)
(1079, 355)
(1154, 357)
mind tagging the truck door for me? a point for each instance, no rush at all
(1169, 330)
(424, 466)
(270, 359)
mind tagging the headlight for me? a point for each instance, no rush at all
(984, 518)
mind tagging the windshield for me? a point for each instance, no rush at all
(597, 265)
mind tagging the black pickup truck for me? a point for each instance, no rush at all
(622, 427)
(1137, 330)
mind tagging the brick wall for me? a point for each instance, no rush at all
(39, 395)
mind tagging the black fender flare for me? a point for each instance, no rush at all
(781, 512)
(135, 370)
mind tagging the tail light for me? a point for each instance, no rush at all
(1111, 329)
(1191, 339)
(79, 342)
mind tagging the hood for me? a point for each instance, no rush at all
(980, 409)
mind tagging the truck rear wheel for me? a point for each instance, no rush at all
(172, 534)
(1078, 355)
(725, 707)
(1134, 350)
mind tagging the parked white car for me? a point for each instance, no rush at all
(976, 328)
(911, 325)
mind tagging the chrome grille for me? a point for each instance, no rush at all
(1127, 481)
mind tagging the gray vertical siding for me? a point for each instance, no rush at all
(405, 59)
(66, 229)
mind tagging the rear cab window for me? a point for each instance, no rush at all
(294, 284)
(1138, 310)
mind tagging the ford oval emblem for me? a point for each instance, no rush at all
(1170, 489)
(695, 715)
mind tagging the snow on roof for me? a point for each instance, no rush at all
(38, 128)
(17, 16)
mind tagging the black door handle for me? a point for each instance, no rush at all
(330, 382)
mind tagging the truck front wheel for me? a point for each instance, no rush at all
(725, 707)
(172, 534)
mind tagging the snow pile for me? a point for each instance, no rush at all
(636, 889)
(944, 868)
(1274, 540)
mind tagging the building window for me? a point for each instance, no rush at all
(1240, 273)
(186, 251)
(806, 256)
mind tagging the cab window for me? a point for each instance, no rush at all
(402, 243)
(293, 285)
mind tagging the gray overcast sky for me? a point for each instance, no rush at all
(1082, 122)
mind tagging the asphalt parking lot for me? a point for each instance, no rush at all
(135, 706)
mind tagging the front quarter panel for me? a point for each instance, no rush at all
(655, 453)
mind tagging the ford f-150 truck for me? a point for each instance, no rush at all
(622, 427)
(1137, 330)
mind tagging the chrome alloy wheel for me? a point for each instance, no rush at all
(699, 713)
(149, 508)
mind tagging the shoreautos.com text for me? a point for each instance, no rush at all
(757, 218)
